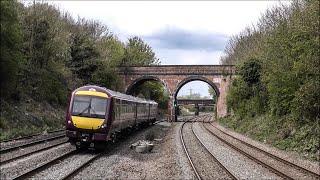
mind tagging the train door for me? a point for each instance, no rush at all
(135, 113)
(149, 115)
(121, 114)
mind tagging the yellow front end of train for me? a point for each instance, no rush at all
(87, 117)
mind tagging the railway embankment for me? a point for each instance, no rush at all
(298, 140)
(28, 117)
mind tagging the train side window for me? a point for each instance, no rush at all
(123, 106)
(116, 109)
(119, 107)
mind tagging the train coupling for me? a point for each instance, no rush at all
(91, 145)
(85, 137)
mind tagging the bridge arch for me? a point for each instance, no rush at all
(190, 79)
(139, 81)
(173, 77)
(195, 78)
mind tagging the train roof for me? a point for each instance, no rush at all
(116, 94)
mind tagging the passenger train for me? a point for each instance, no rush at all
(96, 114)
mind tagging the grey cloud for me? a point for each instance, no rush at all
(173, 38)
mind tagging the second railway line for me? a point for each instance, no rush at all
(212, 158)
(278, 165)
(204, 164)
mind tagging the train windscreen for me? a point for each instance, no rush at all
(89, 106)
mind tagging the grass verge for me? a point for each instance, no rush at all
(282, 133)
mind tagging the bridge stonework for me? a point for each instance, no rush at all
(173, 77)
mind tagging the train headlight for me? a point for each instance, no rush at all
(69, 122)
(103, 126)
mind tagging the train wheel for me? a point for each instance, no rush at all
(79, 147)
(114, 137)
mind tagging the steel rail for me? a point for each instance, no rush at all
(211, 154)
(249, 156)
(187, 153)
(31, 153)
(83, 165)
(30, 136)
(269, 154)
(157, 122)
(8, 149)
(33, 171)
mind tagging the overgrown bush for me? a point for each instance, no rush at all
(150, 136)
(275, 96)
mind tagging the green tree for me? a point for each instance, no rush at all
(45, 46)
(138, 53)
(250, 71)
(278, 77)
(111, 52)
(84, 56)
(10, 47)
(155, 91)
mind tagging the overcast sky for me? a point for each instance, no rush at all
(180, 32)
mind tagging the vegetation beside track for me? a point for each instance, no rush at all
(275, 97)
(45, 54)
(279, 132)
(31, 117)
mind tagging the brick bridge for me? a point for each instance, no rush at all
(205, 102)
(173, 77)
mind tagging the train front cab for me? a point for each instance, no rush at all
(87, 118)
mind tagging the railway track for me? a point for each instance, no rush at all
(187, 153)
(34, 171)
(43, 166)
(279, 166)
(198, 175)
(30, 136)
(27, 144)
(31, 153)
(83, 165)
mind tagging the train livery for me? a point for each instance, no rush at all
(96, 114)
